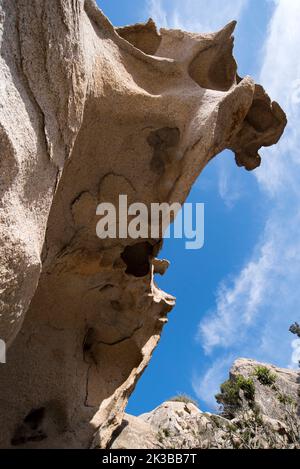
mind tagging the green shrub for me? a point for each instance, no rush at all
(264, 376)
(166, 432)
(285, 399)
(184, 398)
(246, 385)
(230, 397)
(295, 329)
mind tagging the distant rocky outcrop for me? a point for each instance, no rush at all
(261, 409)
(89, 112)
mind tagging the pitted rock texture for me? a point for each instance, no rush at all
(270, 420)
(87, 113)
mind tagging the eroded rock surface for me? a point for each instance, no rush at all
(268, 418)
(89, 112)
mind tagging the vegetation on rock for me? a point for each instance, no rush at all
(184, 398)
(264, 375)
(232, 392)
(295, 329)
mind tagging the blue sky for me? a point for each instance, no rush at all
(238, 295)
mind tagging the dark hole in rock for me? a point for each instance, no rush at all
(88, 340)
(165, 137)
(116, 305)
(35, 418)
(162, 140)
(30, 429)
(260, 116)
(215, 69)
(136, 258)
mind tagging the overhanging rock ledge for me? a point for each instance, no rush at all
(89, 112)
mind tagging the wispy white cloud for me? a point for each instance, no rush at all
(280, 74)
(195, 15)
(296, 353)
(157, 12)
(254, 310)
(208, 385)
(229, 187)
(262, 295)
(238, 304)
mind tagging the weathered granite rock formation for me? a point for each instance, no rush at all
(269, 418)
(88, 112)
